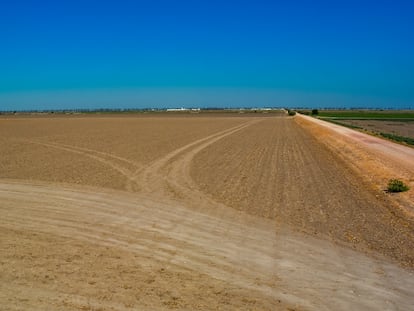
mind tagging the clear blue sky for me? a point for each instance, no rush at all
(65, 54)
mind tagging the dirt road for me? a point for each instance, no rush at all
(224, 218)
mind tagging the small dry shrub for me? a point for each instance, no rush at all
(396, 185)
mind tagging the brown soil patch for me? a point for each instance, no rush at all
(96, 151)
(69, 248)
(79, 275)
(189, 213)
(276, 169)
(375, 160)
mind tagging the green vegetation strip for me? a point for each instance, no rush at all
(393, 137)
(397, 138)
(366, 115)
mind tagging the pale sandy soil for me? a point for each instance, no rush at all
(374, 159)
(145, 225)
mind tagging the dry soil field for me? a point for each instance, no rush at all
(396, 127)
(222, 212)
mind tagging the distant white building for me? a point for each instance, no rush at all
(261, 109)
(177, 109)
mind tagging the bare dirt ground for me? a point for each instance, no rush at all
(298, 181)
(374, 159)
(141, 214)
(96, 151)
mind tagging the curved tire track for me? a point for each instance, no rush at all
(99, 156)
(170, 174)
(241, 250)
(144, 178)
(298, 270)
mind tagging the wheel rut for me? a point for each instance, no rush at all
(151, 178)
(245, 253)
(177, 239)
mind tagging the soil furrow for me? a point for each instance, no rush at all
(224, 213)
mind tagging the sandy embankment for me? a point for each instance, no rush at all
(376, 160)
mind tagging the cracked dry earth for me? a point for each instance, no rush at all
(222, 212)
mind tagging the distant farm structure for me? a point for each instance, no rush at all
(182, 109)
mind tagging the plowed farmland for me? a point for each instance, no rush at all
(222, 212)
(297, 181)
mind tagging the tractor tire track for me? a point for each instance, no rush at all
(250, 254)
(99, 156)
(170, 174)
(169, 226)
(139, 177)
